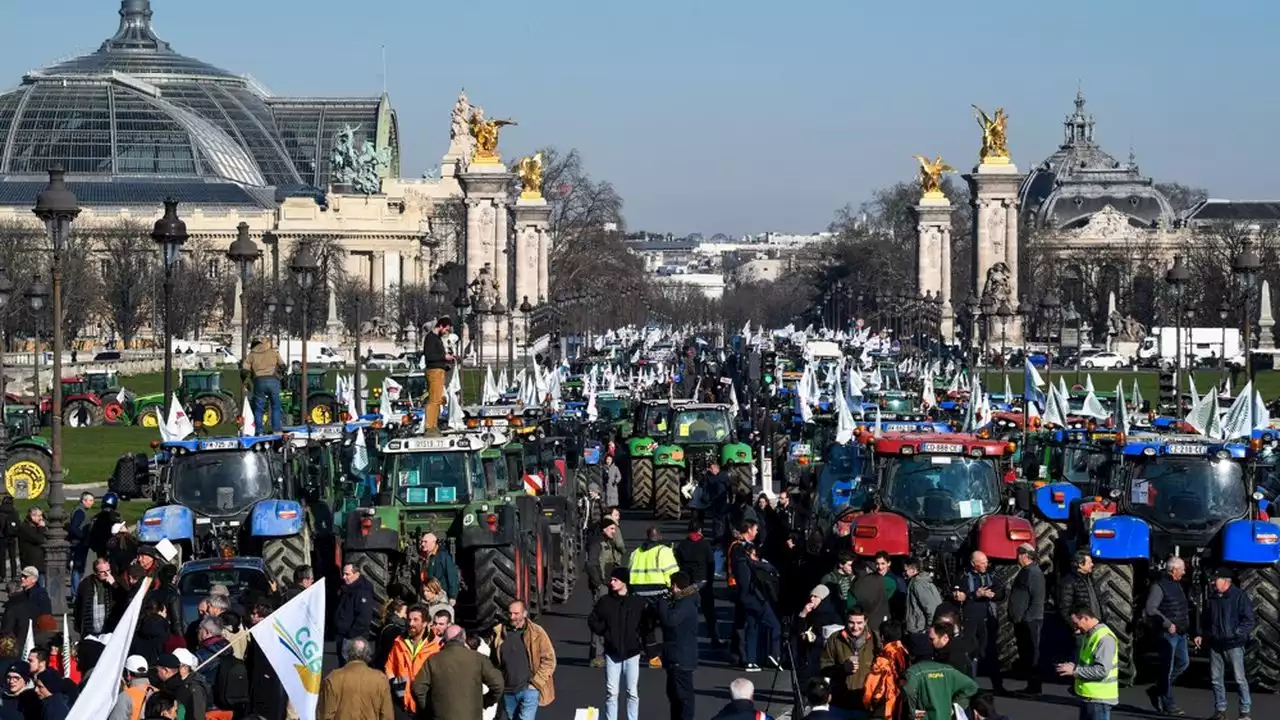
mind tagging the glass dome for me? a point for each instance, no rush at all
(136, 108)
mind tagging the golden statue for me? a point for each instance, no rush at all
(485, 134)
(995, 141)
(931, 176)
(530, 172)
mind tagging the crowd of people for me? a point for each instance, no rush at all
(874, 637)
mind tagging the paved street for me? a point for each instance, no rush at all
(579, 685)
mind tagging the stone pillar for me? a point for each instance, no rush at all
(332, 325)
(486, 187)
(933, 252)
(379, 262)
(237, 316)
(544, 266)
(1266, 323)
(532, 219)
(994, 189)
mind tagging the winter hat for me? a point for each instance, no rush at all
(19, 668)
(51, 680)
(621, 574)
(822, 592)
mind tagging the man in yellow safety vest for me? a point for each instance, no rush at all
(652, 565)
(1095, 672)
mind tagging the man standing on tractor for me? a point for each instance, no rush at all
(437, 360)
(263, 368)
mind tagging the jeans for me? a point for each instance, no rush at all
(522, 705)
(1095, 711)
(1173, 655)
(78, 558)
(267, 389)
(1217, 678)
(679, 692)
(629, 670)
(435, 397)
(762, 620)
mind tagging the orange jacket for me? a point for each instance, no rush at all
(884, 684)
(404, 662)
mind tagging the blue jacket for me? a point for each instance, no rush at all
(1227, 619)
(78, 530)
(679, 617)
(443, 568)
(354, 616)
(743, 576)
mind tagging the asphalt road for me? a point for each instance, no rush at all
(578, 685)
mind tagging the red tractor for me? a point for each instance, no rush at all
(942, 496)
(81, 407)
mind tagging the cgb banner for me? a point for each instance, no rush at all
(292, 638)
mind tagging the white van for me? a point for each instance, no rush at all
(318, 354)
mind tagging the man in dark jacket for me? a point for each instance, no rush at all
(152, 633)
(1026, 612)
(980, 593)
(696, 557)
(1080, 588)
(20, 701)
(437, 360)
(1226, 622)
(870, 593)
(435, 561)
(617, 619)
(604, 555)
(32, 535)
(750, 572)
(449, 684)
(102, 529)
(679, 616)
(96, 601)
(78, 537)
(354, 615)
(1169, 614)
(266, 693)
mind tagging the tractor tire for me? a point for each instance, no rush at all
(1053, 556)
(741, 480)
(124, 480)
(496, 583)
(211, 411)
(26, 473)
(1118, 604)
(780, 444)
(641, 483)
(82, 414)
(113, 413)
(666, 493)
(564, 572)
(283, 554)
(1262, 656)
(147, 417)
(585, 477)
(1006, 640)
(322, 409)
(374, 567)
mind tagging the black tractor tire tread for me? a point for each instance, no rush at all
(124, 479)
(585, 476)
(1119, 604)
(496, 585)
(741, 479)
(283, 554)
(1262, 655)
(641, 483)
(376, 568)
(1049, 535)
(560, 588)
(93, 417)
(1006, 641)
(666, 493)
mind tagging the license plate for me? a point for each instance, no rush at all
(942, 448)
(221, 444)
(1184, 450)
(898, 427)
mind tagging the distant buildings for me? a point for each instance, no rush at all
(720, 261)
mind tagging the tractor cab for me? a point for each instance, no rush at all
(102, 382)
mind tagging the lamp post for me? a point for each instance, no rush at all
(244, 253)
(525, 311)
(439, 289)
(57, 207)
(170, 232)
(938, 343)
(6, 288)
(304, 267)
(460, 305)
(1177, 277)
(1004, 312)
(987, 310)
(497, 311)
(1051, 305)
(37, 295)
(971, 309)
(1245, 265)
(1224, 312)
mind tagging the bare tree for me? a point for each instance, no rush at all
(127, 266)
(1210, 252)
(329, 254)
(200, 287)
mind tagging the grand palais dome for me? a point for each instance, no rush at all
(136, 121)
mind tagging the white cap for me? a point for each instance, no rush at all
(186, 657)
(136, 664)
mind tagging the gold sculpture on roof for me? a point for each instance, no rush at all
(995, 141)
(931, 176)
(485, 133)
(530, 172)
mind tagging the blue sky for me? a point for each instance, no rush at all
(719, 116)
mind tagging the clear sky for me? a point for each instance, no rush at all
(745, 115)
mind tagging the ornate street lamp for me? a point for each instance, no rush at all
(1051, 305)
(1224, 312)
(244, 253)
(37, 297)
(170, 232)
(304, 268)
(1245, 265)
(57, 207)
(987, 308)
(971, 309)
(6, 289)
(1177, 276)
(526, 310)
(1005, 313)
(497, 310)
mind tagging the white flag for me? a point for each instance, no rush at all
(178, 426)
(248, 423)
(103, 685)
(360, 457)
(292, 638)
(30, 644)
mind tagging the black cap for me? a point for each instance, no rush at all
(621, 575)
(168, 660)
(1223, 573)
(919, 647)
(607, 523)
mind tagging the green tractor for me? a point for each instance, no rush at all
(701, 434)
(28, 456)
(500, 535)
(199, 391)
(653, 420)
(322, 405)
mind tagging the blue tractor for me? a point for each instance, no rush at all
(225, 497)
(1197, 499)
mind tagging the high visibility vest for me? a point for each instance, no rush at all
(728, 564)
(138, 695)
(653, 566)
(1101, 690)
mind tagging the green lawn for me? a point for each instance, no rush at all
(1267, 382)
(130, 511)
(89, 454)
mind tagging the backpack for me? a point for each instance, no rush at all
(231, 688)
(766, 580)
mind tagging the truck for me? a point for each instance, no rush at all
(1160, 346)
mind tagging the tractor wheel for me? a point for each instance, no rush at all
(563, 572)
(211, 411)
(147, 417)
(1048, 538)
(497, 583)
(321, 410)
(1006, 641)
(1262, 656)
(741, 479)
(283, 554)
(26, 473)
(780, 443)
(666, 493)
(641, 483)
(374, 567)
(124, 480)
(586, 476)
(81, 414)
(113, 413)
(1118, 603)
